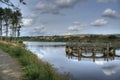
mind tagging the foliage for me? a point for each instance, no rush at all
(33, 68)
(9, 3)
(10, 22)
(73, 38)
(112, 37)
(20, 41)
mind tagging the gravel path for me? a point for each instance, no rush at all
(9, 67)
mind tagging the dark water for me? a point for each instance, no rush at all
(77, 69)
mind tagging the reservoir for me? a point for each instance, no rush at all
(83, 68)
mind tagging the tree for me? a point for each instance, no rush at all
(16, 23)
(12, 22)
(1, 20)
(9, 3)
(112, 37)
(7, 18)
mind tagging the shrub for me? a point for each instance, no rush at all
(20, 41)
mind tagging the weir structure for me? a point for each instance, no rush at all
(106, 51)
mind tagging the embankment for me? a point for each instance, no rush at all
(32, 67)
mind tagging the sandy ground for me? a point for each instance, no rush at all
(9, 67)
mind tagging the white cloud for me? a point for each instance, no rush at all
(67, 33)
(33, 15)
(111, 68)
(110, 13)
(76, 26)
(27, 21)
(100, 62)
(76, 22)
(106, 1)
(99, 22)
(66, 3)
(54, 6)
(37, 29)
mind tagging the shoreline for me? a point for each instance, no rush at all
(32, 67)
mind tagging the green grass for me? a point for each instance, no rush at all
(32, 67)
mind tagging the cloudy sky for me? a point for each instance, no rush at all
(59, 17)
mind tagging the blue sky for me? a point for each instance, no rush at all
(64, 17)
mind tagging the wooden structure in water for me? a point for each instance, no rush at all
(106, 51)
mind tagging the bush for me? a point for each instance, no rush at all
(20, 41)
(112, 37)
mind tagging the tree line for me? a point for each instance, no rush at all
(74, 38)
(10, 23)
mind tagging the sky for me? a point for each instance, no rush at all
(66, 17)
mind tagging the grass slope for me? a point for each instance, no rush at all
(33, 68)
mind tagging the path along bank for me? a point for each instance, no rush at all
(32, 67)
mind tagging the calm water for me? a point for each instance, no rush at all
(77, 69)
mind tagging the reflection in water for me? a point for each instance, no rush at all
(107, 53)
(81, 63)
(111, 68)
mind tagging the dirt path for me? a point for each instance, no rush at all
(9, 68)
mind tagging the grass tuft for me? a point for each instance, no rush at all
(32, 67)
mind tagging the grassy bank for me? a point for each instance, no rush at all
(32, 67)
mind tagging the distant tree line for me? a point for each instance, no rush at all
(73, 38)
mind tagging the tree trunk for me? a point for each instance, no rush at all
(1, 29)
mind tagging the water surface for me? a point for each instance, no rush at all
(77, 69)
